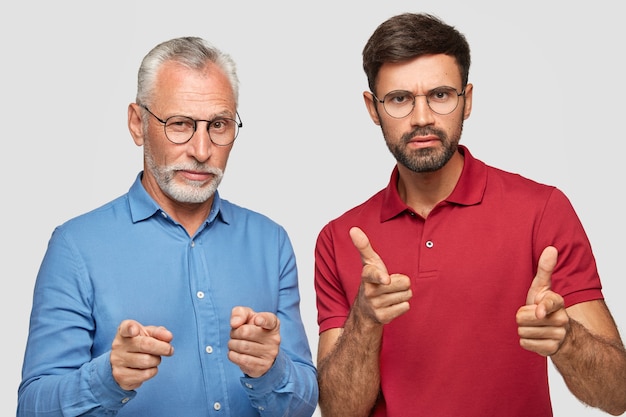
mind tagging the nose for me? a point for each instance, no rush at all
(422, 115)
(200, 146)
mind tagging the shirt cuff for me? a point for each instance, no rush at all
(105, 389)
(274, 380)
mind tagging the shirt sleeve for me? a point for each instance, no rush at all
(59, 375)
(575, 276)
(332, 295)
(290, 387)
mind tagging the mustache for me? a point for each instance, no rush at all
(194, 166)
(424, 131)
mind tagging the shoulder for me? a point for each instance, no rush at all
(240, 213)
(249, 220)
(515, 183)
(114, 210)
(499, 180)
(368, 208)
(366, 215)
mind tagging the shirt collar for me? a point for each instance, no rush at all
(468, 191)
(143, 206)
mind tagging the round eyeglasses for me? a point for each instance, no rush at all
(180, 129)
(400, 103)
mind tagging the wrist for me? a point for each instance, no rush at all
(570, 339)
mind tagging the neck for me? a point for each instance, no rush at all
(189, 215)
(422, 191)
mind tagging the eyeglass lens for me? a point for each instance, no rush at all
(400, 103)
(179, 129)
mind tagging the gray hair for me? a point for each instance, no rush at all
(192, 52)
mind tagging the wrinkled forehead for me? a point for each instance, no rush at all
(420, 74)
(179, 88)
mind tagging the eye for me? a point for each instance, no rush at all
(180, 124)
(220, 125)
(441, 94)
(399, 97)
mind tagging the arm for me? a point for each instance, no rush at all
(273, 352)
(348, 369)
(582, 341)
(348, 359)
(592, 358)
(61, 374)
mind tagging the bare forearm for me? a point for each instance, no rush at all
(349, 377)
(594, 369)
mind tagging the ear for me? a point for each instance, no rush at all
(135, 123)
(370, 104)
(467, 110)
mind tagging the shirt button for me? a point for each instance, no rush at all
(209, 349)
(248, 385)
(217, 406)
(193, 243)
(125, 400)
(200, 294)
(429, 244)
(164, 214)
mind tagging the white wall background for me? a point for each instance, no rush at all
(548, 103)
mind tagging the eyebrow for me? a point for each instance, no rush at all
(439, 87)
(226, 114)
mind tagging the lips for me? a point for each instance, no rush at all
(196, 175)
(422, 142)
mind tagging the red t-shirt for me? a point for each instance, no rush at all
(456, 351)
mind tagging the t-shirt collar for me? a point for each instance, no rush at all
(468, 191)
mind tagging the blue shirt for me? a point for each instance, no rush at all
(129, 260)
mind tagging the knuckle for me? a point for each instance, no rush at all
(240, 332)
(245, 362)
(142, 361)
(244, 346)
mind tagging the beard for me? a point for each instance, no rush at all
(426, 159)
(189, 191)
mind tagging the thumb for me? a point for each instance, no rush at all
(268, 321)
(159, 332)
(543, 279)
(240, 316)
(131, 328)
(368, 255)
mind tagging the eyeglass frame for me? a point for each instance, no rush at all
(462, 93)
(239, 125)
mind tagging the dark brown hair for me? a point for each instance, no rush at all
(409, 35)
